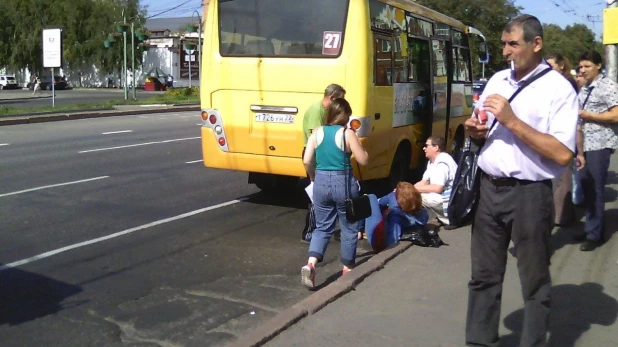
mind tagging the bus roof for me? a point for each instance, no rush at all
(426, 12)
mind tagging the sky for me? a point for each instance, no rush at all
(560, 12)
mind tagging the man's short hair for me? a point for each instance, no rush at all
(530, 25)
(334, 90)
(439, 142)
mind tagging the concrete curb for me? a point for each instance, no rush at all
(93, 114)
(318, 300)
(27, 98)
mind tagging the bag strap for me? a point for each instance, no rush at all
(587, 96)
(347, 179)
(521, 87)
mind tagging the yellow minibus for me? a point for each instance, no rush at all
(406, 69)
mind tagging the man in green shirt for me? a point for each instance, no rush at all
(315, 117)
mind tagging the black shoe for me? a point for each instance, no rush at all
(580, 237)
(589, 245)
(449, 227)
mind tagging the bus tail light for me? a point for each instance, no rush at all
(355, 124)
(362, 125)
(212, 119)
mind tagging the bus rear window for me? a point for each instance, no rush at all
(275, 28)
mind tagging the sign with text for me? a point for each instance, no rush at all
(52, 48)
(610, 29)
(189, 56)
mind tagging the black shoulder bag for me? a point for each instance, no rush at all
(357, 208)
(466, 183)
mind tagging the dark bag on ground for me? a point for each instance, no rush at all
(466, 184)
(423, 237)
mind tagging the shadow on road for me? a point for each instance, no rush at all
(295, 197)
(575, 308)
(26, 296)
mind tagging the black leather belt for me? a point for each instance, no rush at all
(508, 181)
(500, 181)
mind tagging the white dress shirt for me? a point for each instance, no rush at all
(549, 105)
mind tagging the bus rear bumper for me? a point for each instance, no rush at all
(216, 158)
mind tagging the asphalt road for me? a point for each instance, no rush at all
(24, 98)
(113, 233)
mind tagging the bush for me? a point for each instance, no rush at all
(183, 92)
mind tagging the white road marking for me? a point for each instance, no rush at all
(195, 161)
(115, 235)
(53, 185)
(4, 144)
(117, 132)
(139, 144)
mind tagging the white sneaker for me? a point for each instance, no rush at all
(307, 276)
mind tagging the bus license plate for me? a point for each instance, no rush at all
(274, 118)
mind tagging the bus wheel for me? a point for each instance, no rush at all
(400, 167)
(458, 143)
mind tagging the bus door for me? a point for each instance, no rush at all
(441, 81)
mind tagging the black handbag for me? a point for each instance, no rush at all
(357, 208)
(466, 184)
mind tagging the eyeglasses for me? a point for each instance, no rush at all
(428, 145)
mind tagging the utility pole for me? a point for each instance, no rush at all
(611, 50)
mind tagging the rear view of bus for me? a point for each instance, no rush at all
(264, 63)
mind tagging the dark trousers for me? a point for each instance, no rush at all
(593, 177)
(524, 213)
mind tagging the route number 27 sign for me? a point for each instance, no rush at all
(331, 43)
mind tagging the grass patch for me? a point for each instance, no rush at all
(172, 96)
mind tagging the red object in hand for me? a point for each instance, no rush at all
(483, 116)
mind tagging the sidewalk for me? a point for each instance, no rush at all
(420, 297)
(23, 94)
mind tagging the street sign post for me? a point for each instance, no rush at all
(52, 55)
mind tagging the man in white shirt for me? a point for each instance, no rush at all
(437, 182)
(532, 142)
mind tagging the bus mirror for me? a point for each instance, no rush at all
(483, 52)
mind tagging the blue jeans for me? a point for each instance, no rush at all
(397, 220)
(329, 202)
(593, 177)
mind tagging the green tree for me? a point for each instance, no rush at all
(570, 42)
(85, 25)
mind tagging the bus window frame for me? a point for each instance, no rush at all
(244, 36)
(386, 35)
(455, 59)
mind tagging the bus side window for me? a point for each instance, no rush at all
(383, 61)
(419, 60)
(461, 65)
(440, 58)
